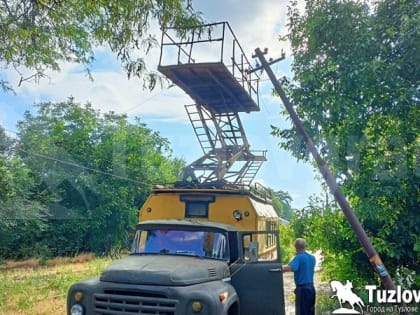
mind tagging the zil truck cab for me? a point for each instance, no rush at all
(195, 251)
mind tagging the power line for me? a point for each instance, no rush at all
(84, 167)
(143, 102)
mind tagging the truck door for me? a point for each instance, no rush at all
(257, 275)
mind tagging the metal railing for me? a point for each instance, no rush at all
(209, 43)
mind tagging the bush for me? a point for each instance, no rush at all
(287, 240)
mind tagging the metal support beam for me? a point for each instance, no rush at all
(224, 143)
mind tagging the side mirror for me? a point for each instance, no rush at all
(253, 251)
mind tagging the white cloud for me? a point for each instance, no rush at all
(255, 24)
(109, 91)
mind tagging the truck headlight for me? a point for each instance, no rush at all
(76, 309)
(196, 306)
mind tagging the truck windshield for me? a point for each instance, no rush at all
(208, 244)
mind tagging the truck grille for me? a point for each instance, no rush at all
(122, 302)
(212, 272)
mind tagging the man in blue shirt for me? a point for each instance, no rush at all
(303, 266)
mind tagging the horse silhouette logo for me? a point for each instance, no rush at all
(345, 294)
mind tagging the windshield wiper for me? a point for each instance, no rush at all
(186, 252)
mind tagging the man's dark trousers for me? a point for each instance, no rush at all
(305, 300)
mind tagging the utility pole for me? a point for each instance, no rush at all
(329, 178)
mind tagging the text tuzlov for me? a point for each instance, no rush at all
(393, 296)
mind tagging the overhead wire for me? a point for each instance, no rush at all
(82, 167)
(47, 157)
(143, 102)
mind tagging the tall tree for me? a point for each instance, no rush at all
(20, 207)
(281, 203)
(356, 87)
(91, 168)
(38, 35)
(285, 199)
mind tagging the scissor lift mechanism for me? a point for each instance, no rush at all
(220, 92)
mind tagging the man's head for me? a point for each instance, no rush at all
(300, 245)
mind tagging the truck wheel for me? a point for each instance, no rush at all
(234, 309)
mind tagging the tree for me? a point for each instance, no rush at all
(20, 209)
(285, 199)
(5, 142)
(281, 203)
(89, 170)
(355, 86)
(38, 35)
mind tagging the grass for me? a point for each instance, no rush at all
(28, 288)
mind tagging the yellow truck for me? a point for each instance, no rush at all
(208, 244)
(195, 251)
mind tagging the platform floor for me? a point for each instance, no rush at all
(211, 85)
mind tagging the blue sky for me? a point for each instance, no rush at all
(255, 24)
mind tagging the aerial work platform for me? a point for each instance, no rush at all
(208, 63)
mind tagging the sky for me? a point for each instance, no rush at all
(255, 24)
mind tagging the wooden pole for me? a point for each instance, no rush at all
(330, 180)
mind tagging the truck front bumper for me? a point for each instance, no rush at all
(105, 298)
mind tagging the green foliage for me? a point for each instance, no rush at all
(20, 211)
(287, 243)
(39, 35)
(281, 202)
(88, 170)
(325, 227)
(356, 77)
(324, 303)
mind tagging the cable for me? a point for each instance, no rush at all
(83, 167)
(145, 101)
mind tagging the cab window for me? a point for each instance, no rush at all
(259, 246)
(208, 244)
